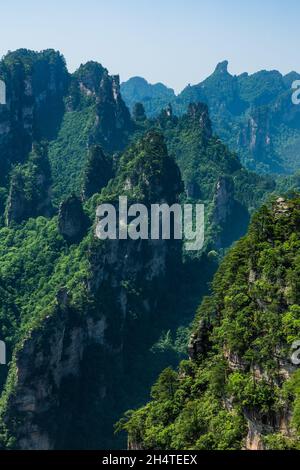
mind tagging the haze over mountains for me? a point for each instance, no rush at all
(253, 114)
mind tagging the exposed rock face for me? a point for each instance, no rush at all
(113, 117)
(39, 90)
(138, 112)
(259, 425)
(35, 86)
(258, 428)
(158, 180)
(166, 117)
(199, 342)
(113, 121)
(229, 217)
(223, 209)
(51, 358)
(51, 364)
(222, 67)
(98, 171)
(169, 110)
(257, 138)
(252, 113)
(198, 112)
(29, 193)
(72, 220)
(16, 209)
(223, 200)
(270, 423)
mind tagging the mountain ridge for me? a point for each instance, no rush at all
(252, 113)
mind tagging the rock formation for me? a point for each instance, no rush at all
(29, 193)
(72, 220)
(98, 171)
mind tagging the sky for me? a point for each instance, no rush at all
(171, 41)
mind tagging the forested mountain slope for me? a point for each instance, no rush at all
(44, 103)
(212, 174)
(240, 388)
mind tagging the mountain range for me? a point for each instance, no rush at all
(253, 114)
(90, 324)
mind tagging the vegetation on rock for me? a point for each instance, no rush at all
(240, 387)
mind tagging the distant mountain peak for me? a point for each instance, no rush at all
(137, 79)
(222, 67)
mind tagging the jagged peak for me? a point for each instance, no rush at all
(147, 169)
(199, 113)
(90, 75)
(222, 67)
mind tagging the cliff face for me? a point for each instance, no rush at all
(35, 87)
(48, 365)
(29, 191)
(72, 220)
(240, 387)
(97, 172)
(256, 139)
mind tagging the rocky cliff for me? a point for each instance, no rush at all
(97, 172)
(72, 221)
(92, 83)
(29, 190)
(35, 87)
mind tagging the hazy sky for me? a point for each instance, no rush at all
(173, 41)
